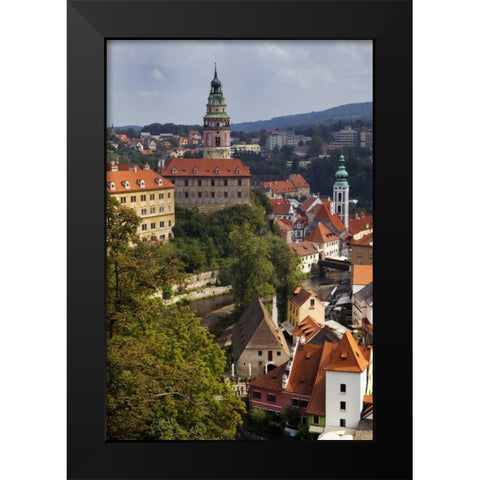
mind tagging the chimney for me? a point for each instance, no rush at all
(113, 167)
(146, 166)
(275, 311)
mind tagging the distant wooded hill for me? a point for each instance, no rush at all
(349, 112)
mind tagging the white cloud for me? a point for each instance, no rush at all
(157, 74)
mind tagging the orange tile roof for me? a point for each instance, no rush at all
(281, 186)
(271, 380)
(300, 295)
(365, 241)
(357, 225)
(286, 225)
(280, 206)
(321, 234)
(148, 176)
(206, 167)
(146, 152)
(316, 405)
(362, 274)
(303, 248)
(308, 203)
(307, 328)
(304, 369)
(299, 181)
(323, 215)
(347, 356)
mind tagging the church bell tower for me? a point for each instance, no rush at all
(341, 192)
(216, 123)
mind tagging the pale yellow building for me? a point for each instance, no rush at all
(303, 303)
(149, 194)
(252, 147)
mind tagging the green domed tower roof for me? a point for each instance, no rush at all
(341, 174)
(216, 84)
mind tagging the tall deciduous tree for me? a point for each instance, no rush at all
(251, 270)
(164, 378)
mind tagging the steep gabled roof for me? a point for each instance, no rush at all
(255, 329)
(316, 405)
(271, 380)
(280, 206)
(307, 328)
(348, 356)
(308, 203)
(324, 335)
(321, 234)
(300, 295)
(357, 223)
(281, 186)
(323, 215)
(304, 369)
(299, 181)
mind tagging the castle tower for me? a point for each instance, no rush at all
(341, 190)
(216, 123)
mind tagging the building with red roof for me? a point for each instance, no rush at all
(361, 250)
(149, 194)
(308, 253)
(326, 241)
(331, 384)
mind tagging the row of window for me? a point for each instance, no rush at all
(153, 225)
(143, 198)
(161, 209)
(212, 182)
(212, 194)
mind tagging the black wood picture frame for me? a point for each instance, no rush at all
(89, 25)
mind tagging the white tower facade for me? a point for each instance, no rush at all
(341, 191)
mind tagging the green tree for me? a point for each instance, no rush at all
(250, 269)
(287, 273)
(164, 378)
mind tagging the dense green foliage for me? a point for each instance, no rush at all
(164, 371)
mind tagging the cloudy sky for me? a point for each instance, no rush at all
(168, 80)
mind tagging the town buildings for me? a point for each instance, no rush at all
(329, 385)
(216, 180)
(258, 345)
(149, 194)
(283, 138)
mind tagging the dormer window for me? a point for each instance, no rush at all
(112, 185)
(174, 170)
(141, 183)
(237, 170)
(217, 170)
(126, 184)
(195, 170)
(159, 180)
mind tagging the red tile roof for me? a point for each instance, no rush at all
(323, 215)
(280, 206)
(303, 248)
(300, 295)
(304, 369)
(299, 181)
(356, 225)
(365, 241)
(148, 176)
(316, 405)
(305, 206)
(280, 186)
(348, 356)
(286, 225)
(307, 328)
(321, 234)
(206, 167)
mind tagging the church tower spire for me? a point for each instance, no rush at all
(341, 192)
(216, 123)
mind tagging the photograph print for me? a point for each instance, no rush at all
(239, 240)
